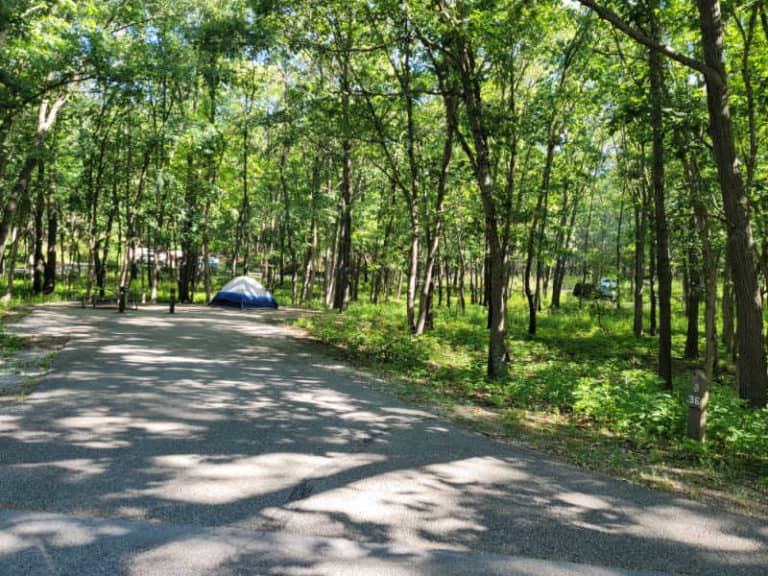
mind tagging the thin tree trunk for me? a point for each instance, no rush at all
(49, 275)
(728, 312)
(45, 120)
(652, 325)
(11, 266)
(641, 225)
(693, 296)
(309, 256)
(38, 265)
(432, 255)
(710, 289)
(618, 251)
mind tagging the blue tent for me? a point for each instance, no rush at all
(244, 292)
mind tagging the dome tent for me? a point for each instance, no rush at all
(244, 292)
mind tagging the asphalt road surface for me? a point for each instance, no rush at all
(215, 442)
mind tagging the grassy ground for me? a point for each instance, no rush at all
(584, 389)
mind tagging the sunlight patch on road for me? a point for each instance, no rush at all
(586, 501)
(10, 543)
(210, 480)
(141, 355)
(104, 428)
(190, 556)
(79, 469)
(9, 423)
(426, 507)
(46, 531)
(689, 527)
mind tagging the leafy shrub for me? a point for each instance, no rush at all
(370, 334)
(734, 428)
(630, 402)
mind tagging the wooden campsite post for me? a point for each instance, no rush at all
(173, 300)
(121, 299)
(698, 397)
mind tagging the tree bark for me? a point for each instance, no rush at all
(311, 250)
(751, 374)
(709, 264)
(693, 295)
(664, 272)
(480, 160)
(641, 225)
(45, 120)
(425, 301)
(38, 260)
(49, 274)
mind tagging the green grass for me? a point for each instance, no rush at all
(9, 344)
(584, 387)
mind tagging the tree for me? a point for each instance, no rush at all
(752, 374)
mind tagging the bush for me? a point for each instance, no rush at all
(632, 403)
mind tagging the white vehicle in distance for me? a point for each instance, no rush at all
(607, 288)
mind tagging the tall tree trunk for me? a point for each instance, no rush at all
(425, 302)
(45, 120)
(656, 72)
(618, 251)
(563, 242)
(709, 259)
(189, 246)
(344, 43)
(287, 225)
(641, 225)
(344, 249)
(693, 295)
(710, 289)
(481, 163)
(11, 265)
(751, 373)
(311, 250)
(38, 260)
(461, 304)
(652, 270)
(413, 265)
(530, 255)
(49, 274)
(585, 245)
(728, 312)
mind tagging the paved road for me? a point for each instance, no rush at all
(214, 442)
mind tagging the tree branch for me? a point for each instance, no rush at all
(615, 20)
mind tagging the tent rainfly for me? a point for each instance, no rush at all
(244, 292)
